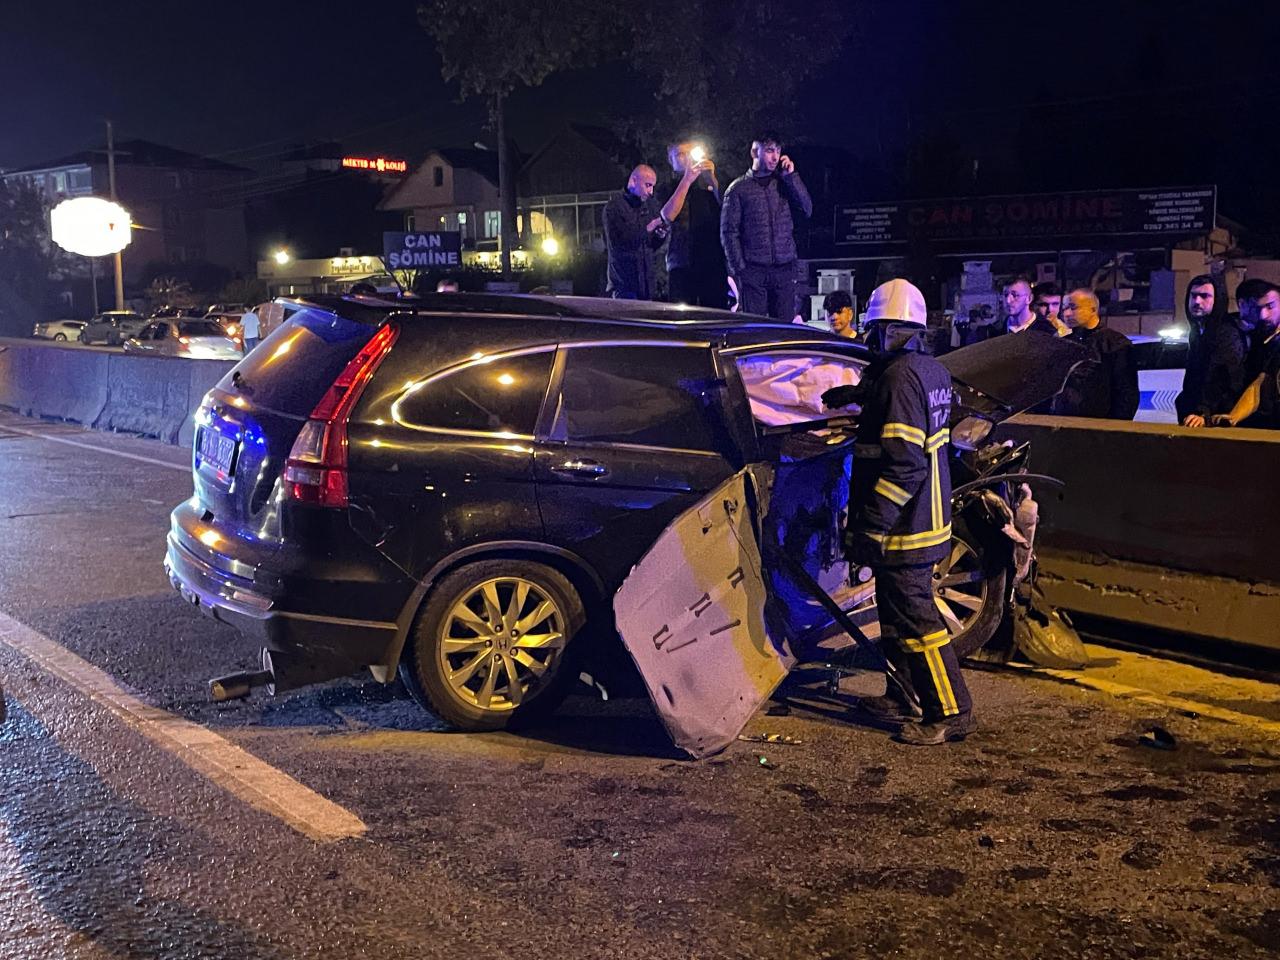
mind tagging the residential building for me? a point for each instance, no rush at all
(186, 207)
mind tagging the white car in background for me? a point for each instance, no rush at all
(193, 337)
(59, 330)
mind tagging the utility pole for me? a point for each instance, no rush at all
(111, 177)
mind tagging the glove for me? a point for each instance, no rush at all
(860, 550)
(841, 396)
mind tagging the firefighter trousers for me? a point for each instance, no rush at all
(914, 637)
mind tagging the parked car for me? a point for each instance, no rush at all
(112, 327)
(273, 314)
(193, 337)
(59, 330)
(455, 489)
(230, 322)
(219, 308)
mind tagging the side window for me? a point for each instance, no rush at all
(500, 396)
(786, 387)
(160, 331)
(636, 394)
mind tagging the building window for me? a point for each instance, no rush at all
(492, 224)
(59, 183)
(80, 180)
(175, 180)
(437, 176)
(409, 221)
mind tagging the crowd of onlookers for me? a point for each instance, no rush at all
(740, 244)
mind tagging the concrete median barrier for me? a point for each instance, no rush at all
(1160, 525)
(106, 389)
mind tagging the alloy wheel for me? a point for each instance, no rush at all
(960, 587)
(501, 642)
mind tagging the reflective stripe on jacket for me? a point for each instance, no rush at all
(901, 483)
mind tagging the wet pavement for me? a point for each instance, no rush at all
(1062, 829)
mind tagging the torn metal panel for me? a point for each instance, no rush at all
(692, 615)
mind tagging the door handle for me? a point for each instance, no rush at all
(582, 468)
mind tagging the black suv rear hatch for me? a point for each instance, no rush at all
(249, 421)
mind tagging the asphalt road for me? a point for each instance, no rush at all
(139, 820)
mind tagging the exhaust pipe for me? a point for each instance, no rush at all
(237, 686)
(281, 670)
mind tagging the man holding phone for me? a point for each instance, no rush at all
(695, 262)
(757, 229)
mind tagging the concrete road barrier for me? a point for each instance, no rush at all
(106, 389)
(1160, 525)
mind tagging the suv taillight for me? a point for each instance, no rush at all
(316, 471)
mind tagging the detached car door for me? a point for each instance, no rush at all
(633, 436)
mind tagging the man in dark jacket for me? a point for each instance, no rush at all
(696, 270)
(1227, 346)
(1259, 404)
(1206, 309)
(633, 229)
(900, 513)
(757, 229)
(1106, 387)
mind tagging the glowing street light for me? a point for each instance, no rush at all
(90, 226)
(550, 246)
(282, 256)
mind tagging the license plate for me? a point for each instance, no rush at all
(217, 452)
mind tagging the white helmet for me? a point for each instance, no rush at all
(897, 301)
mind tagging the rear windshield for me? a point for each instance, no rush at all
(200, 328)
(291, 370)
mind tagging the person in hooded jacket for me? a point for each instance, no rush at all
(899, 521)
(1206, 310)
(1228, 345)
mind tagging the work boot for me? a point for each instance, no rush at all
(891, 706)
(933, 734)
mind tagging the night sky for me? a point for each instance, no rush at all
(1041, 96)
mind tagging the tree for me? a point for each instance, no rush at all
(28, 257)
(493, 49)
(724, 70)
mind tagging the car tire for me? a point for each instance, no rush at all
(969, 587)
(60, 338)
(474, 679)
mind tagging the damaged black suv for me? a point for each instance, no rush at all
(454, 488)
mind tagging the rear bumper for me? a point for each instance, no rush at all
(232, 593)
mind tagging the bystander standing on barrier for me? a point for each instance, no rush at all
(633, 230)
(1046, 303)
(695, 260)
(837, 307)
(757, 229)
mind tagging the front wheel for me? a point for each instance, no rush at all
(969, 590)
(489, 648)
(60, 337)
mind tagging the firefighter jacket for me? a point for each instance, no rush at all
(900, 496)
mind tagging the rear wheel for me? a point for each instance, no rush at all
(60, 336)
(490, 647)
(969, 590)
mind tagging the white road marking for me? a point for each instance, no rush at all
(95, 448)
(238, 772)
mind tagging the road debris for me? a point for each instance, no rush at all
(770, 738)
(1158, 738)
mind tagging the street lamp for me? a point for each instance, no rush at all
(282, 256)
(90, 226)
(550, 246)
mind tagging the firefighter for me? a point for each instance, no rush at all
(900, 513)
